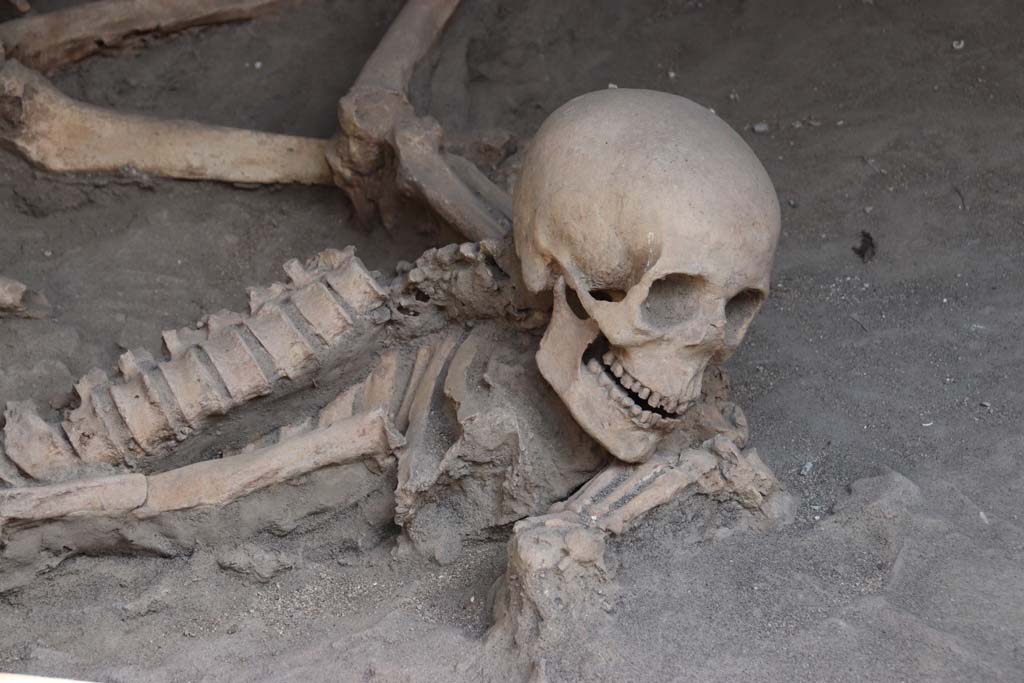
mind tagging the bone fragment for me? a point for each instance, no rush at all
(17, 300)
(381, 385)
(100, 496)
(417, 462)
(60, 134)
(47, 41)
(37, 448)
(357, 286)
(419, 367)
(218, 482)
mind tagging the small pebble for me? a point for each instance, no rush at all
(806, 469)
(761, 128)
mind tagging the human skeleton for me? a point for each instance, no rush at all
(644, 235)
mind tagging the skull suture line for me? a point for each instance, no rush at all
(655, 226)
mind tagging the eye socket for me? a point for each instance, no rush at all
(739, 311)
(672, 299)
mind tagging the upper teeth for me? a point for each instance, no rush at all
(613, 376)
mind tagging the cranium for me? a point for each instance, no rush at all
(655, 226)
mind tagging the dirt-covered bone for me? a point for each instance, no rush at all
(18, 301)
(391, 161)
(61, 134)
(47, 41)
(560, 580)
(655, 226)
(348, 405)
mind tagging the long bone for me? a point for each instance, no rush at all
(385, 155)
(208, 483)
(47, 41)
(64, 135)
(390, 162)
(623, 493)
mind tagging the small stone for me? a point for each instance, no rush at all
(806, 469)
(251, 560)
(761, 128)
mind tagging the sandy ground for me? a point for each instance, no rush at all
(886, 395)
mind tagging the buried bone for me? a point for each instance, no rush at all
(389, 159)
(646, 286)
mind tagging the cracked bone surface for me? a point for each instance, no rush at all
(655, 226)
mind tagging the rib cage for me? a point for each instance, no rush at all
(329, 304)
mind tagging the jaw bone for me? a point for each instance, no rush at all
(560, 362)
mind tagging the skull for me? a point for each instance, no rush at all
(654, 225)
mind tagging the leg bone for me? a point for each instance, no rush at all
(61, 134)
(47, 41)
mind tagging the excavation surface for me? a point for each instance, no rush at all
(885, 394)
